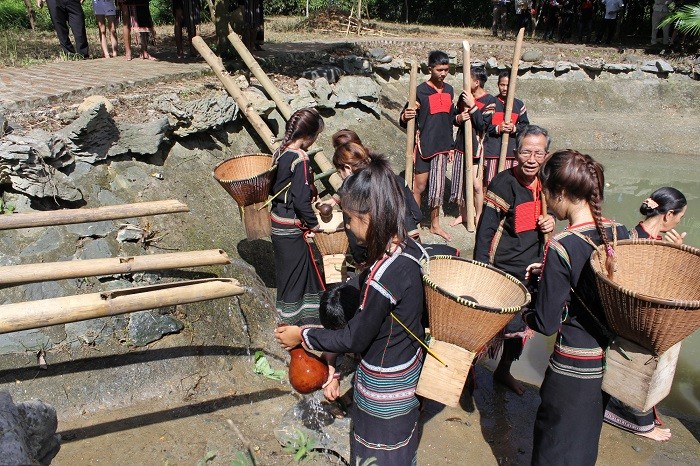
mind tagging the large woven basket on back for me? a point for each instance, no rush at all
(247, 178)
(653, 298)
(470, 302)
(329, 243)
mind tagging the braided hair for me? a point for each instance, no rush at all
(579, 177)
(303, 123)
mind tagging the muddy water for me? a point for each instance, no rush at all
(631, 177)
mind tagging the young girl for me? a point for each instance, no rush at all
(385, 406)
(663, 211)
(570, 416)
(106, 9)
(299, 284)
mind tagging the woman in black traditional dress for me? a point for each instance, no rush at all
(663, 210)
(385, 409)
(570, 416)
(299, 284)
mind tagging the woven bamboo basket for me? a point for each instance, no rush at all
(653, 298)
(247, 178)
(470, 302)
(331, 243)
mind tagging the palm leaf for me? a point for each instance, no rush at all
(686, 19)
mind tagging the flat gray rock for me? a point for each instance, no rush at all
(148, 326)
(532, 55)
(619, 67)
(664, 66)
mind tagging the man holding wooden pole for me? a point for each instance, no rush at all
(503, 125)
(512, 230)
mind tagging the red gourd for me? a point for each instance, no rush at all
(307, 372)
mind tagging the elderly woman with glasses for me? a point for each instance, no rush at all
(511, 234)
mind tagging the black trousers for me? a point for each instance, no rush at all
(65, 13)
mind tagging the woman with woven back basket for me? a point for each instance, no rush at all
(570, 416)
(350, 157)
(299, 284)
(662, 211)
(386, 328)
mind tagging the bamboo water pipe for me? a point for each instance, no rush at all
(285, 110)
(30, 273)
(510, 98)
(232, 88)
(70, 216)
(468, 143)
(411, 125)
(47, 312)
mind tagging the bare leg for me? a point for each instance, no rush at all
(435, 224)
(103, 34)
(144, 47)
(126, 31)
(178, 33)
(113, 34)
(420, 182)
(478, 193)
(502, 375)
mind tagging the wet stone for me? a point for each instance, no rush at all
(148, 326)
(49, 241)
(98, 229)
(96, 249)
(20, 342)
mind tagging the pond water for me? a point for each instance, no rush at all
(631, 178)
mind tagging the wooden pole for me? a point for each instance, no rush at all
(232, 88)
(285, 110)
(70, 216)
(543, 211)
(47, 312)
(468, 143)
(29, 273)
(511, 97)
(411, 125)
(352, 10)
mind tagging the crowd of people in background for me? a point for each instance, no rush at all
(135, 16)
(582, 21)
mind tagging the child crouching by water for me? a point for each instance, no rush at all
(385, 409)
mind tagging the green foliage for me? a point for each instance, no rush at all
(243, 459)
(262, 367)
(208, 457)
(301, 446)
(686, 19)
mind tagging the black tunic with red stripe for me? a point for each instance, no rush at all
(435, 120)
(507, 236)
(518, 117)
(481, 120)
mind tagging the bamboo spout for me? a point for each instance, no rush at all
(69, 216)
(29, 273)
(47, 312)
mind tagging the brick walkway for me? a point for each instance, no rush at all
(23, 89)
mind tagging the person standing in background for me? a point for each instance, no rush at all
(65, 13)
(612, 8)
(106, 16)
(658, 13)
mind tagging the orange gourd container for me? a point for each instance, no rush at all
(307, 372)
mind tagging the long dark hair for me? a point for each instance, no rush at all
(344, 136)
(661, 201)
(374, 191)
(577, 176)
(303, 123)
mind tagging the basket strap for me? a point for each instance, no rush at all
(609, 334)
